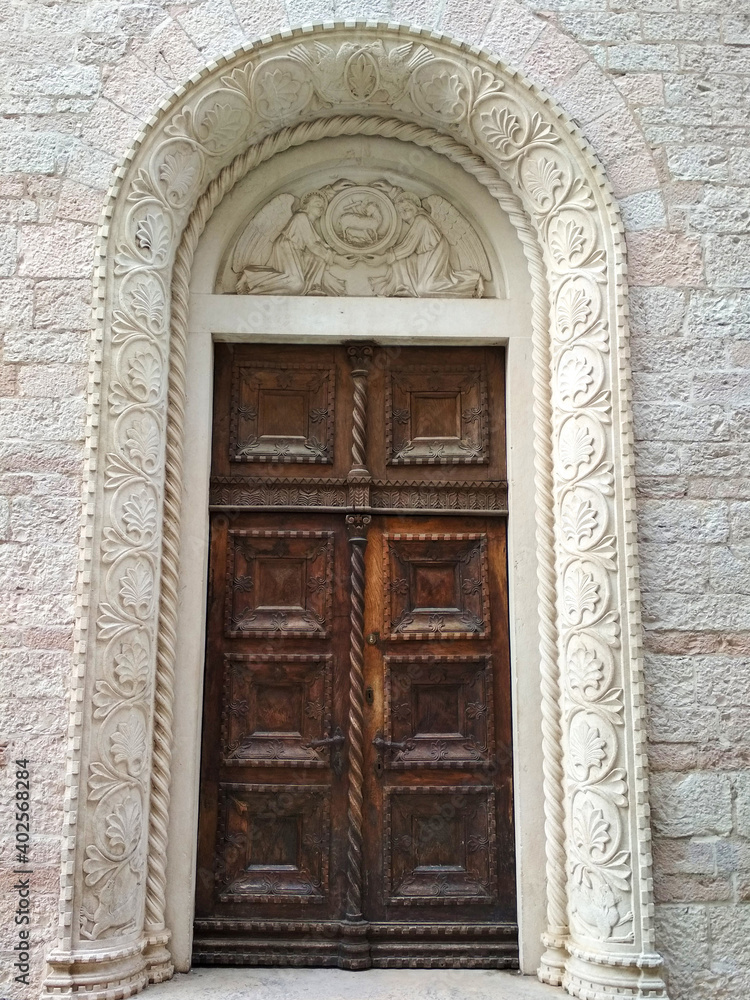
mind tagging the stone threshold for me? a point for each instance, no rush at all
(333, 984)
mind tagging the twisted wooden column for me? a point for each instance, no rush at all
(356, 526)
(360, 359)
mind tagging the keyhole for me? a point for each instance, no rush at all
(379, 766)
(369, 696)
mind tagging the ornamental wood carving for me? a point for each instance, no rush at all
(462, 103)
(416, 792)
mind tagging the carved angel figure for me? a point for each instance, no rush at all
(439, 255)
(281, 253)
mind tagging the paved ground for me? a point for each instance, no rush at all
(332, 984)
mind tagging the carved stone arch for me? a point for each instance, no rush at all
(463, 103)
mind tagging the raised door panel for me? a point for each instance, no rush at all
(282, 419)
(275, 708)
(279, 583)
(439, 711)
(440, 846)
(273, 843)
(438, 426)
(437, 415)
(436, 586)
(282, 413)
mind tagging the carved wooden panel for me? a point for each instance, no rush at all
(440, 709)
(348, 760)
(282, 413)
(279, 583)
(274, 705)
(273, 844)
(330, 494)
(439, 496)
(439, 844)
(436, 586)
(437, 416)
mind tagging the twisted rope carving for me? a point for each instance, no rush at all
(216, 190)
(356, 526)
(359, 358)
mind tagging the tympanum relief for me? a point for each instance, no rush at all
(349, 238)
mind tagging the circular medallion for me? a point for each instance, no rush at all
(360, 220)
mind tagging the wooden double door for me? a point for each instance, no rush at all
(356, 780)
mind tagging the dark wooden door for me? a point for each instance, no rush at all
(356, 782)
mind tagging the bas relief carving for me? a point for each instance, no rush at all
(359, 239)
(394, 83)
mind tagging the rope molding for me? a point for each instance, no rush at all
(548, 575)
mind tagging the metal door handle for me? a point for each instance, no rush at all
(337, 740)
(334, 743)
(383, 744)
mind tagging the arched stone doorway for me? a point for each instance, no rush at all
(460, 103)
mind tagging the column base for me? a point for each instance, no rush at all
(97, 975)
(158, 958)
(354, 948)
(552, 964)
(591, 977)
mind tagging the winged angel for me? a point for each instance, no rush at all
(438, 255)
(281, 253)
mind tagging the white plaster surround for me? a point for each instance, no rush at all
(475, 129)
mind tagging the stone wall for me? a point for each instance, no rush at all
(661, 88)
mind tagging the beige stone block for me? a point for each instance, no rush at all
(65, 457)
(662, 258)
(16, 303)
(63, 303)
(63, 250)
(130, 86)
(692, 889)
(110, 128)
(54, 520)
(212, 26)
(684, 857)
(36, 345)
(553, 59)
(511, 32)
(691, 613)
(48, 637)
(423, 12)
(467, 21)
(43, 419)
(587, 94)
(52, 381)
(169, 53)
(691, 805)
(728, 261)
(682, 936)
(8, 250)
(256, 20)
(79, 203)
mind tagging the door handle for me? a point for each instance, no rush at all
(337, 740)
(382, 744)
(334, 743)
